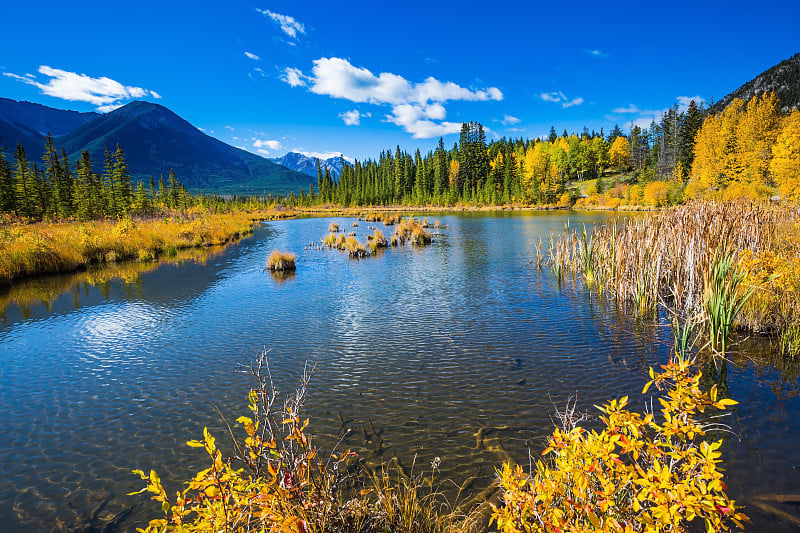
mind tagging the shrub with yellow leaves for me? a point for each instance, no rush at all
(281, 484)
(639, 473)
(277, 481)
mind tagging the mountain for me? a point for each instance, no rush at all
(155, 140)
(783, 78)
(28, 123)
(308, 165)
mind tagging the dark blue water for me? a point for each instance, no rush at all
(425, 345)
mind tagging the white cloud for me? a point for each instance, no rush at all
(419, 120)
(559, 97)
(416, 107)
(294, 77)
(229, 127)
(266, 146)
(252, 56)
(596, 53)
(516, 129)
(574, 101)
(630, 109)
(102, 92)
(553, 97)
(351, 118)
(509, 120)
(289, 25)
(256, 74)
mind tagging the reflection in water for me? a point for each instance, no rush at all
(282, 277)
(45, 290)
(459, 350)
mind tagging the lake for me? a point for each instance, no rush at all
(418, 348)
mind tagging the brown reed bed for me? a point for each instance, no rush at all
(677, 256)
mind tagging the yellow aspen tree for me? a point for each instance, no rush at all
(714, 153)
(785, 164)
(526, 179)
(755, 130)
(620, 153)
(454, 168)
(541, 163)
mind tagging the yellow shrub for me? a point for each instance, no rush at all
(637, 474)
(655, 194)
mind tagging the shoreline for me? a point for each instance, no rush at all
(69, 246)
(41, 249)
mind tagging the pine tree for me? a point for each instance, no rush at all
(122, 181)
(692, 121)
(24, 185)
(8, 201)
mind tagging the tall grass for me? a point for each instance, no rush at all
(53, 247)
(708, 255)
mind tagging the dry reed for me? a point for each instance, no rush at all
(670, 256)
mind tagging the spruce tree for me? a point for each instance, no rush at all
(122, 181)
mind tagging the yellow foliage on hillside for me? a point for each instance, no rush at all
(785, 165)
(734, 148)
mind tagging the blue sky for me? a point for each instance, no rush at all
(359, 77)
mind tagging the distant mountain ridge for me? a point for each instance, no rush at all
(155, 140)
(783, 79)
(308, 165)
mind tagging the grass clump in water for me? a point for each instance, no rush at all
(355, 249)
(411, 229)
(281, 261)
(379, 240)
(334, 227)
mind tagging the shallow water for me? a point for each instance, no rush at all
(425, 344)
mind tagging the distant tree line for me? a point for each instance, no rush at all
(531, 171)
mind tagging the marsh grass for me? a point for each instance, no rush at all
(724, 295)
(738, 261)
(44, 290)
(56, 247)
